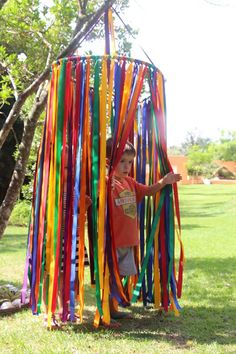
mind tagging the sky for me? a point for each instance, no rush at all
(193, 43)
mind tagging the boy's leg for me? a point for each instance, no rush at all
(126, 263)
(114, 310)
(116, 314)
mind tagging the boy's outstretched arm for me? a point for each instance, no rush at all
(169, 178)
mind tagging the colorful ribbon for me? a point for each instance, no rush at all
(88, 101)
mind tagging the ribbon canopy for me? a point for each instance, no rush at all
(89, 100)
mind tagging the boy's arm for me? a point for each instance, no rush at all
(169, 178)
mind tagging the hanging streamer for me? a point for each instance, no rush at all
(88, 101)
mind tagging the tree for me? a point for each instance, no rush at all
(32, 36)
(175, 150)
(226, 149)
(200, 162)
(194, 139)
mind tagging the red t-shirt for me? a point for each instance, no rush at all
(126, 194)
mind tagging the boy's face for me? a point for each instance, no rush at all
(124, 166)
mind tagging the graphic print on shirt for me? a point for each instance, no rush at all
(127, 201)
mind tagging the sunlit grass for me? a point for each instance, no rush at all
(207, 321)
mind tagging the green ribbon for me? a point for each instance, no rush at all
(149, 246)
(171, 234)
(95, 176)
(58, 145)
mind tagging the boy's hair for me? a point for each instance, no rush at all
(128, 149)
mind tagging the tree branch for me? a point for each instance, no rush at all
(74, 44)
(13, 84)
(2, 68)
(2, 3)
(5, 69)
(16, 108)
(43, 39)
(81, 9)
(15, 136)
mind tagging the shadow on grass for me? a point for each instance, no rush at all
(204, 324)
(203, 194)
(201, 213)
(212, 266)
(12, 243)
(200, 324)
(192, 226)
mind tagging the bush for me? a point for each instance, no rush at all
(21, 214)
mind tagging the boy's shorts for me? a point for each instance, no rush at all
(126, 262)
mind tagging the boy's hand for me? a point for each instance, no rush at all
(88, 201)
(171, 178)
(113, 181)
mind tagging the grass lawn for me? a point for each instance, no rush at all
(207, 323)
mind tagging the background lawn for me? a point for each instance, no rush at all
(207, 323)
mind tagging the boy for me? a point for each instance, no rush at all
(126, 194)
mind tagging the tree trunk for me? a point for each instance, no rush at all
(21, 162)
(16, 109)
